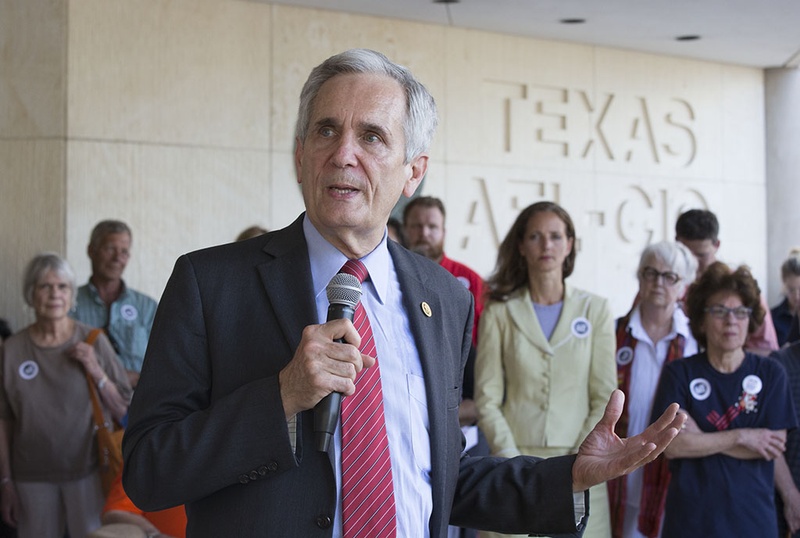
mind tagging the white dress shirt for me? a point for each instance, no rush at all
(648, 359)
(404, 397)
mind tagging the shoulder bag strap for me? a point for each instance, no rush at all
(97, 411)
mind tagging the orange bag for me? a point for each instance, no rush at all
(109, 436)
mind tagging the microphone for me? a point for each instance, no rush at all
(344, 293)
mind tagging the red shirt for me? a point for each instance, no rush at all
(473, 282)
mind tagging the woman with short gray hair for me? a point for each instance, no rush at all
(49, 480)
(655, 332)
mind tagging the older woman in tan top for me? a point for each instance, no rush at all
(48, 456)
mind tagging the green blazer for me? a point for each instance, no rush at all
(533, 392)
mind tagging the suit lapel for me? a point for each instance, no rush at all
(286, 278)
(413, 284)
(572, 309)
(428, 332)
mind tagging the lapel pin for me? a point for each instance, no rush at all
(426, 309)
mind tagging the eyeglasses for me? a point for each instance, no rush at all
(721, 312)
(651, 275)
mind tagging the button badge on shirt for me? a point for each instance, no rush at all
(28, 370)
(128, 312)
(700, 388)
(752, 384)
(581, 327)
(624, 355)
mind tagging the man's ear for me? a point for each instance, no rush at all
(419, 167)
(298, 156)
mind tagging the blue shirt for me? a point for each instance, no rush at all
(782, 318)
(548, 315)
(719, 495)
(404, 397)
(127, 322)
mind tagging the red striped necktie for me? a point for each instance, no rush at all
(368, 509)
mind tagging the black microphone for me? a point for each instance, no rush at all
(344, 293)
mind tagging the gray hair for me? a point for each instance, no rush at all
(39, 266)
(421, 116)
(107, 227)
(679, 259)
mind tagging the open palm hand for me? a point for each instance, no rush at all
(603, 455)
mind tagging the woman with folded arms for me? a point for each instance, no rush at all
(739, 409)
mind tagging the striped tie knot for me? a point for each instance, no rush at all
(355, 268)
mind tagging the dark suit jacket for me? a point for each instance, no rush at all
(206, 426)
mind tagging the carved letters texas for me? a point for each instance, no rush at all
(638, 151)
(576, 123)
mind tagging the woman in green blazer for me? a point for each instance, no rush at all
(545, 364)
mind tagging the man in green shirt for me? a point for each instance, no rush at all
(125, 314)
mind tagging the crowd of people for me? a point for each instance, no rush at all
(498, 406)
(49, 480)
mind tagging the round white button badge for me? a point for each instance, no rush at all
(28, 370)
(700, 388)
(752, 384)
(128, 312)
(581, 327)
(624, 355)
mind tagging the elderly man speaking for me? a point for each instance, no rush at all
(241, 353)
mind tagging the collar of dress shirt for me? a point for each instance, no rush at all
(680, 325)
(326, 260)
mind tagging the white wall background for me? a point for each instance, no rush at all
(177, 117)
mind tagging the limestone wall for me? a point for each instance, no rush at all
(177, 117)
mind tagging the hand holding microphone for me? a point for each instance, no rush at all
(344, 293)
(321, 365)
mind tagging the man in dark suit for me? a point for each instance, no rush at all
(240, 354)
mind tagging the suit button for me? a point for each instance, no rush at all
(253, 475)
(262, 470)
(243, 479)
(323, 522)
(272, 467)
